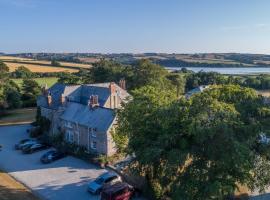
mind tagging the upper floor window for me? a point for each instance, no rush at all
(94, 133)
(68, 124)
(94, 145)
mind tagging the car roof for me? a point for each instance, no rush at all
(108, 175)
(115, 187)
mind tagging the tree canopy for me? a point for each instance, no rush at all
(201, 148)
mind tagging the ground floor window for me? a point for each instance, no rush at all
(70, 136)
(94, 145)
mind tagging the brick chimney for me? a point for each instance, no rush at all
(62, 99)
(49, 99)
(93, 102)
(122, 84)
(45, 90)
(112, 87)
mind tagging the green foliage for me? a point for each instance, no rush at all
(42, 122)
(69, 78)
(106, 71)
(55, 63)
(3, 67)
(12, 95)
(30, 91)
(22, 72)
(201, 148)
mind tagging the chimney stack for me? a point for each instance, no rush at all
(45, 90)
(62, 99)
(49, 99)
(112, 88)
(122, 84)
(93, 102)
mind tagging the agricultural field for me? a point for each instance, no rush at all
(38, 68)
(41, 81)
(41, 65)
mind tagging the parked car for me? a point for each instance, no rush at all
(51, 156)
(24, 143)
(34, 147)
(96, 186)
(117, 191)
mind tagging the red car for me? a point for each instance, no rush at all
(118, 191)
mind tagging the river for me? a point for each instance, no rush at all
(228, 70)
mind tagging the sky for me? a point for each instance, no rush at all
(135, 26)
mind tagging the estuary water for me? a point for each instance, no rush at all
(228, 70)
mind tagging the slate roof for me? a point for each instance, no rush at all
(56, 91)
(80, 94)
(196, 90)
(76, 108)
(98, 117)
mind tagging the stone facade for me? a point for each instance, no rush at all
(86, 123)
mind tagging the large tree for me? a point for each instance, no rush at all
(11, 92)
(30, 91)
(201, 148)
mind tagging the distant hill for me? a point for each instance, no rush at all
(167, 60)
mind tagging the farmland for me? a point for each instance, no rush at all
(41, 65)
(38, 68)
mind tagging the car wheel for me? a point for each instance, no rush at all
(98, 191)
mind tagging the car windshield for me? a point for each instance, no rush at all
(99, 180)
(24, 141)
(49, 153)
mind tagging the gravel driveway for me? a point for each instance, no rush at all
(65, 179)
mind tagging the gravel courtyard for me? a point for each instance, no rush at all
(65, 179)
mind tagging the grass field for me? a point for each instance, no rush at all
(18, 116)
(10, 189)
(41, 81)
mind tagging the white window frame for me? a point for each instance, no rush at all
(70, 136)
(93, 146)
(68, 124)
(93, 133)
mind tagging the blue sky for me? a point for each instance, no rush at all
(135, 26)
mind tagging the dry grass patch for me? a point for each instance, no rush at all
(14, 58)
(39, 68)
(18, 116)
(10, 189)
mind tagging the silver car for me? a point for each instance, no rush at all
(96, 186)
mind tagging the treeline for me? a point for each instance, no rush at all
(12, 96)
(193, 80)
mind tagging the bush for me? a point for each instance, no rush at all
(35, 132)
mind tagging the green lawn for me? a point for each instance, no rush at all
(18, 116)
(41, 81)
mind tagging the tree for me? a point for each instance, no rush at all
(3, 73)
(106, 71)
(31, 90)
(147, 73)
(69, 78)
(3, 67)
(55, 63)
(12, 95)
(201, 148)
(22, 72)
